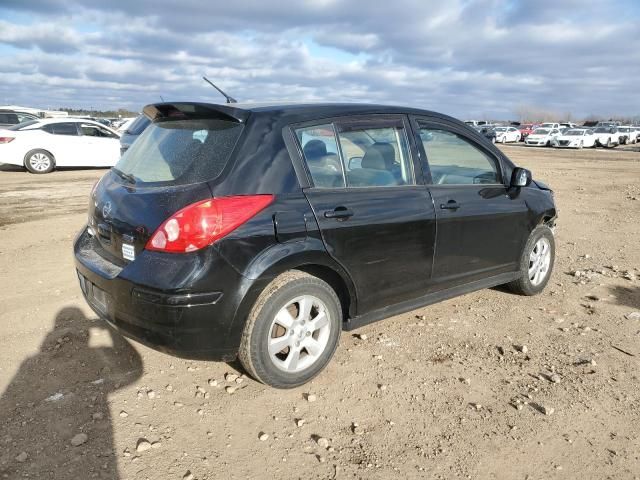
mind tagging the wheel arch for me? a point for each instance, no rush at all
(321, 265)
(293, 256)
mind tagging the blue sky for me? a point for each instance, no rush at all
(467, 58)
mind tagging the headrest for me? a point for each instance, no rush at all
(379, 156)
(314, 149)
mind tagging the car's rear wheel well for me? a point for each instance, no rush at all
(335, 281)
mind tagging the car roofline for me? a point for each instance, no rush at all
(240, 112)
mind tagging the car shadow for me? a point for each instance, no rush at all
(11, 168)
(61, 393)
(627, 296)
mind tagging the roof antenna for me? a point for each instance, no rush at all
(161, 98)
(229, 99)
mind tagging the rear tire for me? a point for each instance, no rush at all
(39, 161)
(292, 330)
(536, 262)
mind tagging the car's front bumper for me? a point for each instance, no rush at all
(196, 322)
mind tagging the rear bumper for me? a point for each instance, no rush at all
(183, 305)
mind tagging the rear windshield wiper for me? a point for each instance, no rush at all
(126, 176)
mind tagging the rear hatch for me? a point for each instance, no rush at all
(166, 169)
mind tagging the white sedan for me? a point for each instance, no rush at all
(607, 136)
(542, 137)
(507, 134)
(42, 145)
(575, 138)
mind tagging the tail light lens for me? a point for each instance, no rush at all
(6, 139)
(202, 223)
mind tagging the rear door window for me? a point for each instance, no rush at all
(454, 160)
(65, 128)
(9, 118)
(367, 153)
(178, 152)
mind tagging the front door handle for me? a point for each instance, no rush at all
(339, 213)
(450, 205)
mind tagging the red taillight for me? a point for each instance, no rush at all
(202, 223)
(7, 139)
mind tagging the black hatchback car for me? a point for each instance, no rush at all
(261, 232)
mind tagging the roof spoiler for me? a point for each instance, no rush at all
(191, 110)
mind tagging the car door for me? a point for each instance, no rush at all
(102, 147)
(375, 216)
(62, 139)
(481, 227)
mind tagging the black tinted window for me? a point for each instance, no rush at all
(9, 118)
(181, 151)
(61, 128)
(453, 160)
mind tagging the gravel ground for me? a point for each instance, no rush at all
(489, 385)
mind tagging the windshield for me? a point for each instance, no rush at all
(179, 152)
(138, 125)
(22, 125)
(500, 129)
(602, 130)
(574, 132)
(541, 131)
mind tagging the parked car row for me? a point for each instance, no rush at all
(581, 137)
(555, 134)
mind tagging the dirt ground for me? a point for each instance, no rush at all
(447, 391)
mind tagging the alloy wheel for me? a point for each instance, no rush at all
(40, 162)
(299, 334)
(539, 261)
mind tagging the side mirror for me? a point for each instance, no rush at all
(521, 177)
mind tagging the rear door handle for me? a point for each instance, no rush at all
(339, 212)
(450, 205)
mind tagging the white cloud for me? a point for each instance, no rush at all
(464, 57)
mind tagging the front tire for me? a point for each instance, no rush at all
(292, 330)
(536, 262)
(39, 161)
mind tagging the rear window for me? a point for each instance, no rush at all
(179, 152)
